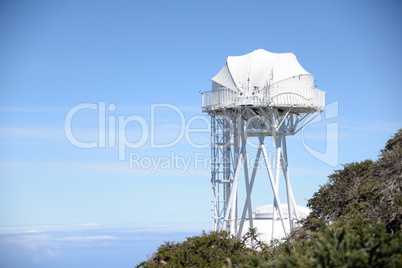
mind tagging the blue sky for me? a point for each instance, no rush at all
(147, 61)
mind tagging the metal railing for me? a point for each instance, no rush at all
(275, 96)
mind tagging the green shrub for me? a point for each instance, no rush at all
(207, 250)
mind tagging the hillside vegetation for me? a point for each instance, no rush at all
(356, 221)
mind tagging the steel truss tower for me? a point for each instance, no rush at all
(230, 129)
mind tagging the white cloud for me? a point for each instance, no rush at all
(88, 224)
(19, 167)
(43, 132)
(357, 127)
(19, 230)
(87, 239)
(44, 229)
(32, 109)
(54, 243)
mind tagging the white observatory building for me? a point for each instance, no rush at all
(255, 96)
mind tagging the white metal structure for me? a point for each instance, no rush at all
(262, 220)
(257, 95)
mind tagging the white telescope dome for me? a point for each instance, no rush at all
(264, 79)
(261, 68)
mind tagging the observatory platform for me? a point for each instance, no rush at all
(263, 79)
